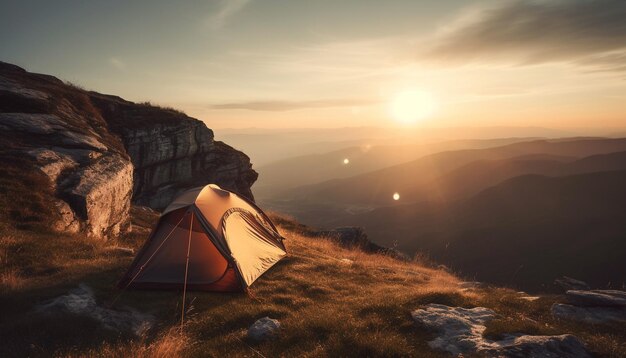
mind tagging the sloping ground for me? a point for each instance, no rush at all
(326, 306)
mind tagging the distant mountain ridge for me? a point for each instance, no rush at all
(525, 231)
(281, 176)
(412, 178)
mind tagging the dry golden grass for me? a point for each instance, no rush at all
(327, 306)
(170, 344)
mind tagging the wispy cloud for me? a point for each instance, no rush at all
(117, 63)
(225, 9)
(531, 32)
(277, 106)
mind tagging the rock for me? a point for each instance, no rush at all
(460, 329)
(469, 285)
(263, 329)
(172, 152)
(53, 127)
(593, 315)
(529, 298)
(346, 262)
(356, 238)
(68, 221)
(568, 283)
(460, 332)
(101, 195)
(594, 306)
(99, 152)
(81, 301)
(564, 345)
(597, 298)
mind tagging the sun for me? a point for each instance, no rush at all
(408, 107)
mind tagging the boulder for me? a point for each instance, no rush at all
(593, 315)
(263, 329)
(597, 298)
(99, 152)
(564, 345)
(568, 283)
(81, 301)
(356, 238)
(595, 306)
(460, 332)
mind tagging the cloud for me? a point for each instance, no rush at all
(531, 32)
(226, 9)
(117, 63)
(278, 106)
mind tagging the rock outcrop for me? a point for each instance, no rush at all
(98, 152)
(567, 283)
(595, 306)
(356, 238)
(53, 126)
(460, 332)
(82, 301)
(172, 152)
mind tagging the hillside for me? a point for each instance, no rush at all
(279, 177)
(413, 178)
(523, 232)
(327, 307)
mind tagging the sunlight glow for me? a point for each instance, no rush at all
(410, 106)
(346, 161)
(396, 196)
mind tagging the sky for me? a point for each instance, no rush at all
(331, 63)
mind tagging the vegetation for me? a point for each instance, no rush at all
(327, 307)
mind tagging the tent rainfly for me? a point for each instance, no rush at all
(207, 239)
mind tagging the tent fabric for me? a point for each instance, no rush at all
(257, 254)
(230, 241)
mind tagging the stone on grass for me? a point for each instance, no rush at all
(346, 262)
(564, 345)
(471, 285)
(597, 298)
(460, 332)
(593, 315)
(81, 301)
(595, 306)
(263, 329)
(568, 283)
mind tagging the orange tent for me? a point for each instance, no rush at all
(207, 239)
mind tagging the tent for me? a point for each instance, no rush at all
(207, 239)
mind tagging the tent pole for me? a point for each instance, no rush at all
(182, 315)
(145, 263)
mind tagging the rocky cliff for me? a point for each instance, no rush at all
(171, 151)
(97, 152)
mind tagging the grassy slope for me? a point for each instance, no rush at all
(327, 308)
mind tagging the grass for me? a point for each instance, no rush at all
(326, 307)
